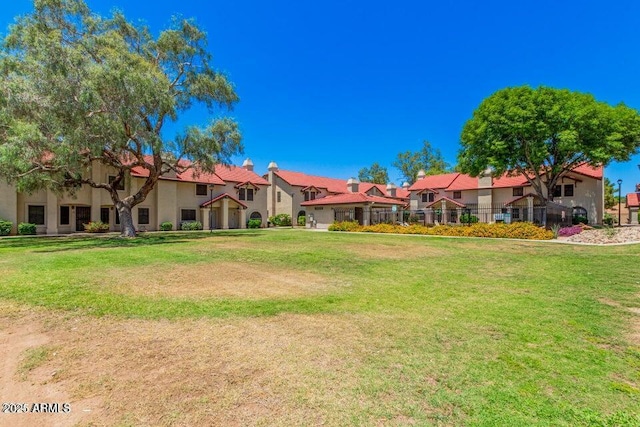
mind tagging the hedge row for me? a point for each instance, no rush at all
(518, 230)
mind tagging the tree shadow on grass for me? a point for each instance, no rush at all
(74, 242)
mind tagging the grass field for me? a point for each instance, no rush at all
(290, 327)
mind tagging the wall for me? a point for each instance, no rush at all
(9, 205)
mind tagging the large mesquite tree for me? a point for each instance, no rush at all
(80, 91)
(544, 133)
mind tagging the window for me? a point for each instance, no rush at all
(120, 185)
(143, 215)
(557, 191)
(64, 215)
(318, 208)
(518, 191)
(246, 194)
(188, 215)
(428, 197)
(568, 190)
(515, 213)
(201, 190)
(104, 215)
(279, 196)
(36, 214)
(309, 195)
(255, 215)
(457, 194)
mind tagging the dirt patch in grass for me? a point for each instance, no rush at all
(217, 280)
(283, 370)
(634, 330)
(25, 380)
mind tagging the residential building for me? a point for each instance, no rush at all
(224, 199)
(324, 200)
(445, 197)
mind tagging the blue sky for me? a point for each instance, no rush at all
(330, 87)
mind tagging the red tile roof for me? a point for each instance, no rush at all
(633, 200)
(222, 196)
(401, 193)
(238, 174)
(434, 181)
(506, 181)
(463, 182)
(189, 175)
(462, 205)
(593, 172)
(300, 179)
(222, 173)
(351, 198)
(515, 199)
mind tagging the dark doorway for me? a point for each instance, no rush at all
(83, 216)
(359, 214)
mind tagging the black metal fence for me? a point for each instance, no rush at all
(547, 215)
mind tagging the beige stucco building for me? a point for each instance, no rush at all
(224, 199)
(325, 200)
(444, 198)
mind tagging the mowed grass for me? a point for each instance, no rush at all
(428, 331)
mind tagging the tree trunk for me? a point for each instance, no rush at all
(126, 220)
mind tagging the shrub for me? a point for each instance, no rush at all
(345, 226)
(166, 226)
(555, 229)
(468, 219)
(413, 219)
(96, 227)
(25, 228)
(579, 219)
(570, 231)
(192, 226)
(608, 219)
(5, 227)
(254, 223)
(280, 220)
(518, 230)
(302, 220)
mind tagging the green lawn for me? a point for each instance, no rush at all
(453, 331)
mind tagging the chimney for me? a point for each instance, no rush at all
(273, 167)
(406, 185)
(421, 174)
(391, 189)
(485, 179)
(248, 165)
(353, 185)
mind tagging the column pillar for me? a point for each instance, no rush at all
(530, 209)
(458, 215)
(225, 213)
(243, 218)
(52, 213)
(206, 218)
(443, 209)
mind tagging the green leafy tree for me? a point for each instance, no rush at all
(543, 133)
(427, 158)
(376, 174)
(80, 91)
(609, 199)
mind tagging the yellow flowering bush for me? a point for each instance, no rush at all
(517, 230)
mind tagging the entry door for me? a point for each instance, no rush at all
(359, 216)
(83, 216)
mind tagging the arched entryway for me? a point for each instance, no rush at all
(580, 215)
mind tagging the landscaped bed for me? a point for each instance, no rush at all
(517, 230)
(287, 327)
